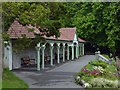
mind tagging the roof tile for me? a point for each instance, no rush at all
(16, 30)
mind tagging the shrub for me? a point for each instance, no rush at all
(103, 83)
(87, 85)
(98, 63)
(99, 68)
(99, 74)
(110, 72)
(82, 73)
(89, 67)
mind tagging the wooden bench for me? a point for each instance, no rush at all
(26, 61)
(47, 59)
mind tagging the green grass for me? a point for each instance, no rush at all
(0, 84)
(10, 80)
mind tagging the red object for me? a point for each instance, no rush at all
(16, 30)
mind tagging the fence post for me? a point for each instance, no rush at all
(97, 55)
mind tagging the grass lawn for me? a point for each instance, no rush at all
(10, 80)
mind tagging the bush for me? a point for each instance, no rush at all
(98, 63)
(99, 74)
(103, 83)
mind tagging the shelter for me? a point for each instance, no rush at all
(56, 50)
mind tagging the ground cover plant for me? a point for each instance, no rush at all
(98, 74)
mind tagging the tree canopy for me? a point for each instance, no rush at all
(99, 23)
(95, 22)
(45, 15)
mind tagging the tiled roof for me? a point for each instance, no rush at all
(65, 34)
(16, 30)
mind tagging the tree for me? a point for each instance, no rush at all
(38, 14)
(99, 22)
(44, 16)
(95, 22)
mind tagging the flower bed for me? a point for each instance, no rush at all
(98, 74)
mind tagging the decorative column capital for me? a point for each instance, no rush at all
(43, 47)
(38, 44)
(51, 44)
(72, 46)
(37, 48)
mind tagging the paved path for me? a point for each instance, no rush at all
(58, 77)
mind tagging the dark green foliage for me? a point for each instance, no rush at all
(45, 15)
(98, 23)
(5, 36)
(21, 43)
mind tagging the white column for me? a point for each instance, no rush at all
(76, 51)
(38, 56)
(68, 53)
(58, 52)
(63, 52)
(80, 48)
(72, 52)
(38, 59)
(43, 62)
(97, 55)
(51, 54)
(83, 49)
(10, 57)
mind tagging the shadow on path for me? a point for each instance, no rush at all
(58, 77)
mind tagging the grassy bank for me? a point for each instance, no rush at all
(10, 80)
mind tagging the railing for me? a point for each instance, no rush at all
(101, 57)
